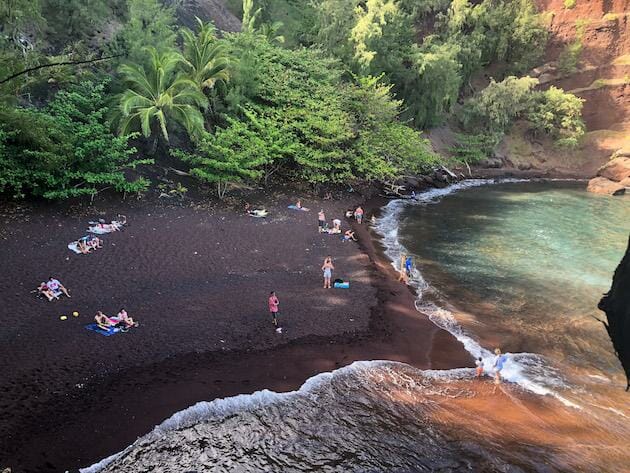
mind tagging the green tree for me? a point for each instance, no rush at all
(65, 150)
(558, 114)
(158, 94)
(206, 59)
(499, 104)
(150, 24)
(232, 155)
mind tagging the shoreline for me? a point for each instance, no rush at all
(89, 431)
(397, 331)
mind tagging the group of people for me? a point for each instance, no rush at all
(52, 289)
(497, 365)
(87, 243)
(335, 229)
(122, 321)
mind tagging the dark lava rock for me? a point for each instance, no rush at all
(616, 305)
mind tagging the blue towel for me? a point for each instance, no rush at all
(105, 333)
(342, 285)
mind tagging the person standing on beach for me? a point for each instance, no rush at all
(327, 268)
(321, 220)
(408, 265)
(479, 365)
(358, 215)
(499, 360)
(274, 303)
(402, 273)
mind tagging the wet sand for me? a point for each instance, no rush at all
(197, 279)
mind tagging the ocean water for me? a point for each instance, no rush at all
(518, 265)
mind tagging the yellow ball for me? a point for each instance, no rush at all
(75, 313)
(63, 317)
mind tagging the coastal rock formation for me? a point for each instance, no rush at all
(601, 185)
(616, 305)
(616, 169)
(612, 178)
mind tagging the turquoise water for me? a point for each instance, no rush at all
(528, 263)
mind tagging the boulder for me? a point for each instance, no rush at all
(601, 185)
(616, 169)
(524, 166)
(625, 182)
(492, 163)
(621, 153)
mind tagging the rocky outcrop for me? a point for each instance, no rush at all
(612, 178)
(616, 305)
(616, 169)
(601, 185)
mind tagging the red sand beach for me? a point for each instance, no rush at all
(197, 279)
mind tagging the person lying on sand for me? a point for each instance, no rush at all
(113, 226)
(82, 245)
(337, 225)
(123, 320)
(45, 290)
(56, 287)
(255, 212)
(94, 242)
(103, 321)
(349, 235)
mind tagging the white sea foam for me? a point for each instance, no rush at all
(220, 408)
(528, 370)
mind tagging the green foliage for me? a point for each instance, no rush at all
(569, 4)
(65, 150)
(302, 121)
(474, 148)
(378, 36)
(150, 24)
(553, 111)
(570, 57)
(499, 104)
(72, 20)
(158, 94)
(233, 154)
(560, 115)
(205, 58)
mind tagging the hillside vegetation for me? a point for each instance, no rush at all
(327, 92)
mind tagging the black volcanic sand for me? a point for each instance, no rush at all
(197, 279)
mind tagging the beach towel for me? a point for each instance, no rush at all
(342, 285)
(74, 246)
(106, 333)
(99, 230)
(295, 207)
(258, 213)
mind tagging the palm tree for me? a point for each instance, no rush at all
(270, 31)
(157, 94)
(206, 60)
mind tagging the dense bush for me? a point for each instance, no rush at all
(553, 111)
(302, 121)
(66, 149)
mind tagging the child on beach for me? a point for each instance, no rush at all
(499, 360)
(327, 268)
(479, 365)
(273, 308)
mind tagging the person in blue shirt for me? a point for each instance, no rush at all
(499, 361)
(408, 265)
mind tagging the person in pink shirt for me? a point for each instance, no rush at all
(273, 308)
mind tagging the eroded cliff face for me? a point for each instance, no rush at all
(601, 77)
(616, 305)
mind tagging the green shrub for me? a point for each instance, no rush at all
(569, 4)
(66, 149)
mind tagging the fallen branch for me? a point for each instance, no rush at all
(64, 63)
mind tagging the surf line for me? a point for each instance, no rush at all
(516, 367)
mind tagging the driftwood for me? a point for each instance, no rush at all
(616, 305)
